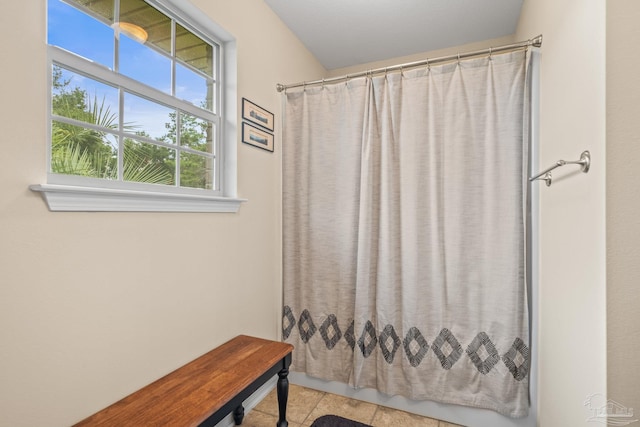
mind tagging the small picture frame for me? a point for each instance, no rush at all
(257, 114)
(257, 137)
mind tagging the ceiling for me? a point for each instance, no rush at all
(342, 33)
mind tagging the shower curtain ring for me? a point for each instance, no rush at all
(490, 53)
(458, 58)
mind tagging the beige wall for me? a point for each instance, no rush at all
(77, 333)
(572, 282)
(95, 305)
(623, 203)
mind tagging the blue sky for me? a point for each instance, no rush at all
(79, 33)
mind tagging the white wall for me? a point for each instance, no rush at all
(572, 273)
(623, 203)
(96, 305)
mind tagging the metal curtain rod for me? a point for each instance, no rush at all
(535, 42)
(584, 162)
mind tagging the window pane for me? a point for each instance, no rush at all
(144, 64)
(77, 32)
(194, 88)
(194, 51)
(155, 24)
(81, 98)
(138, 59)
(146, 118)
(196, 133)
(148, 163)
(111, 128)
(196, 171)
(80, 151)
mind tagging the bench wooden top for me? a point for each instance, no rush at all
(192, 393)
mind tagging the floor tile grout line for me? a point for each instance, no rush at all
(324, 394)
(373, 417)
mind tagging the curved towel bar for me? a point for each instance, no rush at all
(584, 162)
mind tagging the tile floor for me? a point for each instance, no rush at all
(305, 405)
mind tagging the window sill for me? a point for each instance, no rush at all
(67, 198)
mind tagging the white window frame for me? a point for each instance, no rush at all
(71, 193)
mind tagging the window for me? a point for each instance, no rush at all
(135, 105)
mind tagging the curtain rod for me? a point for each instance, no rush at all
(535, 42)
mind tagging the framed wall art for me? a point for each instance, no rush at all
(257, 115)
(258, 137)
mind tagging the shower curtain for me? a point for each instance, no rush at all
(404, 206)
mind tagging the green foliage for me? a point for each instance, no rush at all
(77, 150)
(195, 134)
(70, 160)
(192, 171)
(148, 163)
(85, 151)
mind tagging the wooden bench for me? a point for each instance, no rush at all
(206, 390)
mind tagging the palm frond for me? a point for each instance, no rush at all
(137, 168)
(70, 160)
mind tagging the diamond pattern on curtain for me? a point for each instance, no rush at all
(404, 233)
(481, 351)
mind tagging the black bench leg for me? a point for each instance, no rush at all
(238, 415)
(283, 395)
